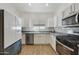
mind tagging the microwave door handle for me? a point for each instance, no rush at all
(76, 18)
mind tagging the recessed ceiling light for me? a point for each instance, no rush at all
(46, 4)
(29, 4)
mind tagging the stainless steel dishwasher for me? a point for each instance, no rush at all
(29, 39)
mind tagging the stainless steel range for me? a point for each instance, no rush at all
(67, 44)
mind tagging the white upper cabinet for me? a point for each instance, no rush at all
(67, 12)
(59, 20)
(72, 8)
(76, 7)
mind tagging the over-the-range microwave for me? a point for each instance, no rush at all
(71, 20)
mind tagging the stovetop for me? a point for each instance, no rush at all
(70, 38)
(73, 39)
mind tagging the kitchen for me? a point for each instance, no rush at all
(39, 29)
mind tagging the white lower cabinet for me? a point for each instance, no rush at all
(53, 41)
(45, 39)
(41, 38)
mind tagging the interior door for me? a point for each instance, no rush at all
(1, 31)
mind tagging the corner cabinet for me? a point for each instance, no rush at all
(8, 33)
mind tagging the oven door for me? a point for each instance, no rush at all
(63, 49)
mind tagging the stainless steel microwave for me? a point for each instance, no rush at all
(71, 20)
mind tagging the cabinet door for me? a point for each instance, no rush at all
(67, 11)
(72, 8)
(18, 28)
(36, 40)
(41, 38)
(9, 30)
(59, 20)
(76, 6)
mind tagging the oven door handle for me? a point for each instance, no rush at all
(76, 18)
(66, 46)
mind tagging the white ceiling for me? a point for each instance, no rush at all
(38, 7)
